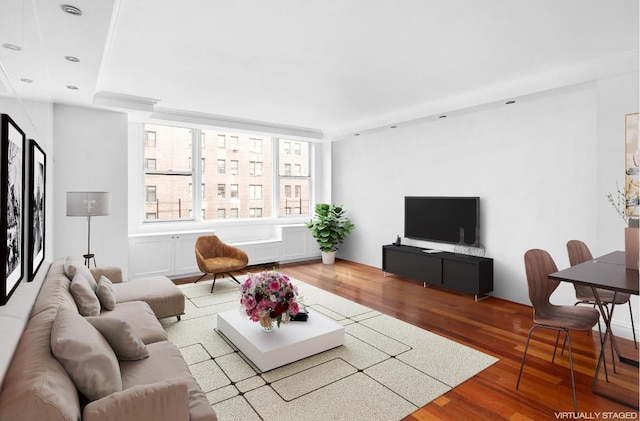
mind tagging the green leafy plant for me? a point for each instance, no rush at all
(330, 226)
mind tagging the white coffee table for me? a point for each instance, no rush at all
(291, 342)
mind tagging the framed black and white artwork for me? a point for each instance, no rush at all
(12, 154)
(37, 177)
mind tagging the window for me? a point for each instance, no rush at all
(294, 170)
(150, 139)
(222, 213)
(255, 145)
(255, 212)
(246, 174)
(151, 193)
(255, 191)
(255, 168)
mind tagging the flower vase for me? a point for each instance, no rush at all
(631, 247)
(266, 324)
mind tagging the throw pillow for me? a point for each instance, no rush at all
(85, 355)
(125, 342)
(86, 300)
(106, 293)
(74, 266)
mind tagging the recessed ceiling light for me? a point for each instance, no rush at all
(72, 10)
(357, 134)
(393, 127)
(510, 102)
(26, 80)
(72, 59)
(442, 116)
(73, 88)
(12, 47)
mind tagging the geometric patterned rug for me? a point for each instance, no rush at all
(386, 369)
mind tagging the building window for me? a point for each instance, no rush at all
(150, 139)
(202, 165)
(221, 191)
(255, 168)
(287, 169)
(234, 167)
(298, 191)
(255, 191)
(149, 164)
(221, 166)
(287, 148)
(150, 215)
(233, 140)
(234, 191)
(222, 213)
(255, 212)
(297, 169)
(222, 140)
(151, 194)
(233, 213)
(297, 149)
(203, 190)
(255, 145)
(287, 190)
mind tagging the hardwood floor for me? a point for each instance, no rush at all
(493, 326)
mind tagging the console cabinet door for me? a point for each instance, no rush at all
(185, 255)
(413, 265)
(151, 256)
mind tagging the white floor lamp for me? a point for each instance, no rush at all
(88, 204)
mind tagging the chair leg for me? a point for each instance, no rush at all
(524, 354)
(234, 278)
(573, 381)
(214, 282)
(200, 278)
(553, 358)
(633, 329)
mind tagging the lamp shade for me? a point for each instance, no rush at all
(88, 203)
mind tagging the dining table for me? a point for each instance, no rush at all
(607, 272)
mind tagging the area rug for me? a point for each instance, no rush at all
(386, 369)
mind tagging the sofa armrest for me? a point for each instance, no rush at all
(167, 400)
(113, 273)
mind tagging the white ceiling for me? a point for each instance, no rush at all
(333, 66)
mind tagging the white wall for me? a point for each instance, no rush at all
(91, 155)
(536, 166)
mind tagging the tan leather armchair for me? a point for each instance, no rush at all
(215, 257)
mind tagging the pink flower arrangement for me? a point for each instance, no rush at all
(269, 296)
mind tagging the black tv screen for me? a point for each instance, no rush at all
(441, 219)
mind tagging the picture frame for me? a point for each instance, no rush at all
(632, 165)
(12, 171)
(37, 206)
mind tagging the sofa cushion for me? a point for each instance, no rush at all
(166, 362)
(141, 318)
(121, 336)
(36, 386)
(85, 354)
(164, 297)
(106, 294)
(85, 297)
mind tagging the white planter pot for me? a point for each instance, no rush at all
(328, 257)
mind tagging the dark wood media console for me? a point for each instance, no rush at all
(469, 274)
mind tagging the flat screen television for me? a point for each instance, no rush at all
(441, 219)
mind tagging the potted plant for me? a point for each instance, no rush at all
(330, 227)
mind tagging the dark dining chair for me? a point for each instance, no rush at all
(578, 253)
(538, 265)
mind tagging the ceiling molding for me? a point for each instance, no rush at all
(129, 102)
(235, 123)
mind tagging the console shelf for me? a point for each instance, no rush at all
(469, 274)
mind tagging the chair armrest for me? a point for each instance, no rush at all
(167, 400)
(113, 273)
